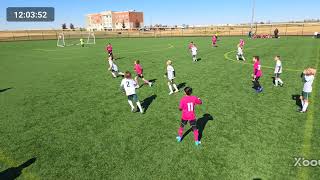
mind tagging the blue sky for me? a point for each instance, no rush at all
(168, 12)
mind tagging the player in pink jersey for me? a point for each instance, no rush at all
(257, 73)
(139, 71)
(241, 43)
(109, 50)
(187, 104)
(214, 40)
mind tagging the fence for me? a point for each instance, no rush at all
(293, 29)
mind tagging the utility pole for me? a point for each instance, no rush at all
(253, 8)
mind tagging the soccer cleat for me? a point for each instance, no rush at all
(302, 111)
(132, 110)
(170, 93)
(178, 139)
(176, 91)
(281, 85)
(150, 84)
(197, 143)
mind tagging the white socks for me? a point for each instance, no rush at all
(175, 87)
(170, 88)
(131, 104)
(139, 106)
(305, 106)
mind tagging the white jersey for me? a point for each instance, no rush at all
(129, 86)
(113, 66)
(278, 67)
(170, 72)
(308, 80)
(194, 50)
(240, 52)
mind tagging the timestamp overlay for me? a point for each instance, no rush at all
(30, 14)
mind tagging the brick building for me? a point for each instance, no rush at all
(108, 20)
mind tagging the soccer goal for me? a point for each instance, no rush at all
(91, 38)
(60, 41)
(65, 40)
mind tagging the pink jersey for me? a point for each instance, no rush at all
(187, 104)
(257, 69)
(241, 42)
(138, 69)
(109, 48)
(214, 38)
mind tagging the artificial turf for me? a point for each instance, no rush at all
(63, 107)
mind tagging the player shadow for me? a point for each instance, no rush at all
(117, 58)
(181, 85)
(14, 172)
(153, 80)
(201, 124)
(147, 102)
(199, 59)
(296, 97)
(6, 89)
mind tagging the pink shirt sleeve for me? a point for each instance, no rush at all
(197, 100)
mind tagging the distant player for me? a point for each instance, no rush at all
(214, 40)
(240, 55)
(109, 50)
(194, 52)
(307, 77)
(190, 46)
(129, 86)
(241, 43)
(81, 42)
(139, 74)
(257, 73)
(171, 75)
(277, 72)
(113, 68)
(187, 104)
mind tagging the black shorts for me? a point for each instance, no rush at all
(277, 75)
(191, 122)
(140, 76)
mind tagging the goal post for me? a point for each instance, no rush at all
(65, 40)
(91, 39)
(60, 41)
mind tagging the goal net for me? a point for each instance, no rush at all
(65, 40)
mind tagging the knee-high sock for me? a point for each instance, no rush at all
(305, 106)
(170, 87)
(180, 131)
(196, 134)
(130, 103)
(114, 74)
(139, 106)
(280, 81)
(302, 102)
(276, 82)
(175, 87)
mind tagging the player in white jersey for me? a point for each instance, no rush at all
(113, 68)
(277, 72)
(194, 51)
(171, 75)
(240, 53)
(307, 77)
(128, 85)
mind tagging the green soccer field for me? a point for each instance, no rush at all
(62, 106)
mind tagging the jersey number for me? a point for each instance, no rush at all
(190, 106)
(128, 84)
